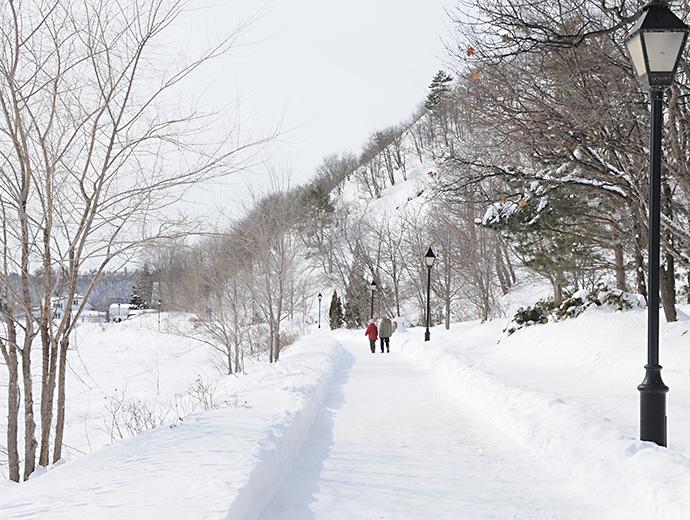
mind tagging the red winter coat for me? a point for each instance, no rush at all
(372, 332)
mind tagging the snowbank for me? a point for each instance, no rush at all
(566, 391)
(225, 463)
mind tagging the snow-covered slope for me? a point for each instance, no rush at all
(406, 197)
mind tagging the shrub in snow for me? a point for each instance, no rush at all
(545, 311)
(538, 313)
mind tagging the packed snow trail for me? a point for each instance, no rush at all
(393, 444)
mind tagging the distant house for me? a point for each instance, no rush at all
(59, 303)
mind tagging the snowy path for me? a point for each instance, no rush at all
(393, 444)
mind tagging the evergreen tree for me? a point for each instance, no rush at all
(356, 295)
(335, 312)
(554, 231)
(136, 301)
(144, 286)
(317, 212)
(438, 90)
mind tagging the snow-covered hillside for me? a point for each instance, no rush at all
(406, 198)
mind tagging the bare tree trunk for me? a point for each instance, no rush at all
(48, 352)
(620, 267)
(502, 260)
(60, 422)
(509, 264)
(447, 324)
(500, 271)
(668, 271)
(557, 283)
(271, 340)
(29, 419)
(668, 289)
(12, 401)
(417, 139)
(238, 367)
(279, 313)
(46, 397)
(639, 260)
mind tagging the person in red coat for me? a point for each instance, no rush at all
(373, 334)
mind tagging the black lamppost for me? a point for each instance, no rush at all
(429, 259)
(160, 303)
(655, 45)
(319, 297)
(373, 290)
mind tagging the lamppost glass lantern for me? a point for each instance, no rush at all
(429, 258)
(655, 45)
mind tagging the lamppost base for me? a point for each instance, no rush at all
(653, 406)
(427, 336)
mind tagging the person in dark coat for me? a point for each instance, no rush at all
(372, 333)
(385, 333)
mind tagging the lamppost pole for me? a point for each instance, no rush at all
(160, 303)
(652, 389)
(373, 290)
(320, 296)
(655, 45)
(427, 334)
(429, 259)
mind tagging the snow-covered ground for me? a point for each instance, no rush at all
(542, 424)
(122, 375)
(393, 443)
(567, 393)
(221, 463)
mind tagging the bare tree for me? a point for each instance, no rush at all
(90, 162)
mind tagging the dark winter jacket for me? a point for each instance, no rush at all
(372, 332)
(385, 328)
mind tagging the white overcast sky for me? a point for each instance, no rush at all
(329, 72)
